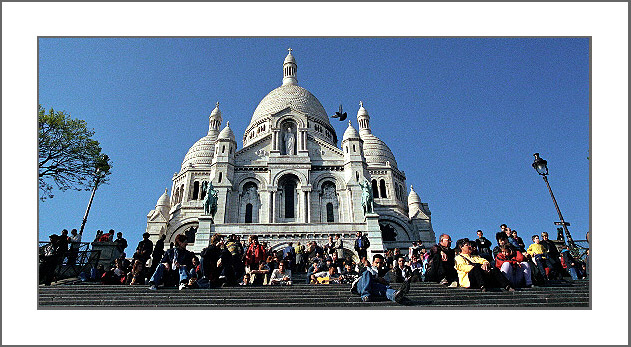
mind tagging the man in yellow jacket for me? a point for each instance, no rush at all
(475, 271)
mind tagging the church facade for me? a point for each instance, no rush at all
(291, 181)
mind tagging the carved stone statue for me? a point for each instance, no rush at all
(367, 199)
(290, 141)
(210, 202)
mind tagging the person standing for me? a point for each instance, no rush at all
(75, 243)
(143, 251)
(299, 250)
(339, 246)
(120, 242)
(361, 245)
(158, 252)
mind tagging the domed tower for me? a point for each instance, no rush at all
(420, 217)
(289, 70)
(157, 219)
(222, 172)
(354, 168)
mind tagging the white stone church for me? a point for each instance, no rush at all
(291, 181)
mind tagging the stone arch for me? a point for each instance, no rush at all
(400, 226)
(337, 179)
(298, 120)
(181, 228)
(303, 180)
(249, 202)
(251, 177)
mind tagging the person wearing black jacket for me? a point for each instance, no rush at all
(361, 245)
(210, 260)
(441, 262)
(400, 270)
(143, 251)
(177, 260)
(484, 247)
(553, 256)
(158, 252)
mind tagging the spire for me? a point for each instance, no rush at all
(363, 119)
(289, 69)
(214, 123)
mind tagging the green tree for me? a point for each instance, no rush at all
(68, 156)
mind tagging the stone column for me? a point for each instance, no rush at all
(302, 142)
(306, 190)
(275, 141)
(272, 203)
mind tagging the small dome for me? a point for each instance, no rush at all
(216, 113)
(413, 198)
(226, 133)
(350, 133)
(376, 151)
(201, 153)
(290, 58)
(163, 200)
(362, 111)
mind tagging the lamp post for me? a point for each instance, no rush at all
(541, 166)
(102, 167)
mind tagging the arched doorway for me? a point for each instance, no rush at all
(287, 201)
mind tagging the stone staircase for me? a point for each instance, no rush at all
(422, 295)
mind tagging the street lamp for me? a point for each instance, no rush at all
(541, 166)
(102, 168)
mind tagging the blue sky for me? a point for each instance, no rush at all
(463, 117)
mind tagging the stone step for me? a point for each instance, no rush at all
(556, 294)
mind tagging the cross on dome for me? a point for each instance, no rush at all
(217, 104)
(289, 50)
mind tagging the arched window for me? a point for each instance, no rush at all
(220, 177)
(289, 189)
(329, 213)
(354, 148)
(248, 213)
(223, 148)
(195, 190)
(396, 191)
(375, 189)
(181, 193)
(382, 185)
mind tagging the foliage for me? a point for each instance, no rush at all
(68, 156)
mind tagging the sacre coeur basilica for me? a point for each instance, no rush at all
(291, 182)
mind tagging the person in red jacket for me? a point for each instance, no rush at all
(514, 266)
(255, 254)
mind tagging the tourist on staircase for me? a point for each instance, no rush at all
(441, 263)
(476, 272)
(175, 262)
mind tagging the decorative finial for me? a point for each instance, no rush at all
(411, 187)
(289, 49)
(165, 190)
(217, 104)
(349, 123)
(228, 124)
(361, 104)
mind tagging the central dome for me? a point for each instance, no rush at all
(294, 97)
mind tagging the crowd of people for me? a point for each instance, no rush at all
(231, 261)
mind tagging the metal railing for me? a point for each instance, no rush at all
(73, 261)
